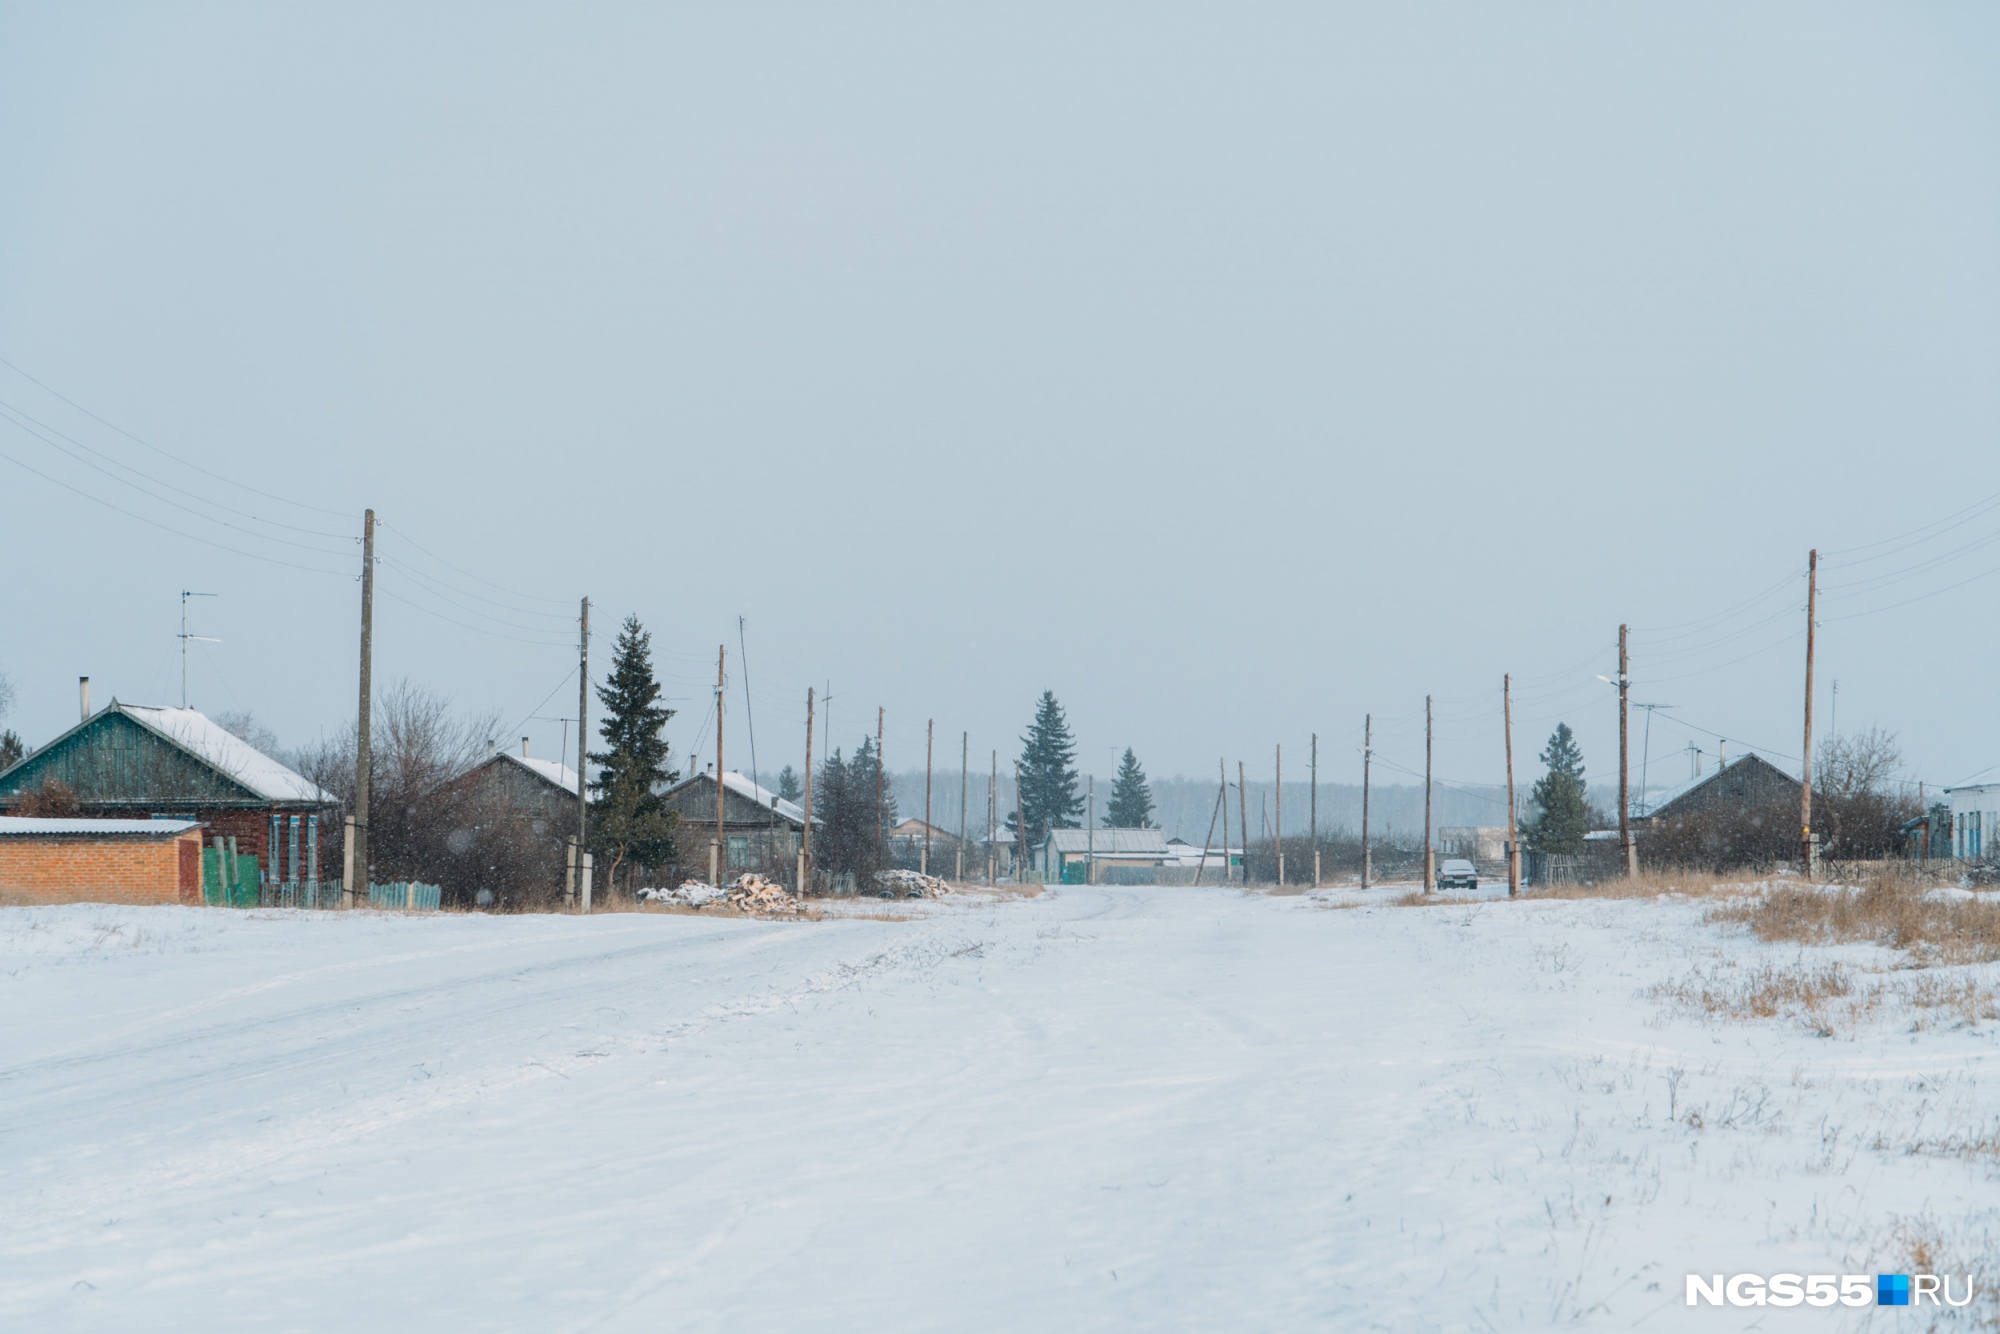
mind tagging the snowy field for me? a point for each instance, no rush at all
(1100, 1109)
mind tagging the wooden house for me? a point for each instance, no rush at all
(134, 761)
(762, 831)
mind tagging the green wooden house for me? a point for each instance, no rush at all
(136, 761)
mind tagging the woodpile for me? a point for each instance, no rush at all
(749, 893)
(910, 885)
(754, 894)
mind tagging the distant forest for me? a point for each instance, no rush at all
(1183, 806)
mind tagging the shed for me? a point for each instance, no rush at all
(99, 861)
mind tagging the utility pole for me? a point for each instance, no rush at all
(1430, 863)
(357, 858)
(930, 743)
(1090, 833)
(993, 823)
(1367, 764)
(1313, 820)
(1513, 832)
(1222, 771)
(1808, 846)
(1020, 823)
(1625, 758)
(1221, 805)
(881, 809)
(718, 851)
(582, 753)
(964, 792)
(806, 851)
(1279, 761)
(749, 710)
(1243, 813)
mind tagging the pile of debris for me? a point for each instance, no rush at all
(910, 885)
(749, 894)
(755, 894)
(689, 893)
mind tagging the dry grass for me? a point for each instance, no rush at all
(1648, 885)
(1830, 998)
(1889, 909)
(1763, 993)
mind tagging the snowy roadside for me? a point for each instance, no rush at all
(1094, 1109)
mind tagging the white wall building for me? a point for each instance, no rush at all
(1975, 820)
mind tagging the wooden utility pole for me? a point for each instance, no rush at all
(718, 851)
(806, 851)
(881, 808)
(357, 861)
(582, 753)
(1430, 863)
(930, 744)
(1243, 812)
(1367, 764)
(1313, 818)
(1279, 762)
(1090, 832)
(1020, 824)
(1625, 759)
(993, 822)
(1513, 839)
(964, 792)
(1221, 805)
(1808, 845)
(1222, 768)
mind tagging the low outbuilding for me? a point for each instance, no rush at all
(99, 861)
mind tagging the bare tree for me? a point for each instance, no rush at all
(243, 725)
(1858, 804)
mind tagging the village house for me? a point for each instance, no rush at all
(1749, 782)
(1104, 856)
(1975, 814)
(764, 831)
(542, 792)
(138, 762)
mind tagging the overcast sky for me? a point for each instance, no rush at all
(1231, 371)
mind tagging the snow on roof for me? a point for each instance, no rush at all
(206, 739)
(750, 791)
(28, 826)
(1111, 842)
(550, 771)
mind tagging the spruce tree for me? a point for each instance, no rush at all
(1049, 798)
(1560, 793)
(1131, 804)
(789, 786)
(629, 819)
(849, 838)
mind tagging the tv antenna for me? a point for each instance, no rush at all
(185, 637)
(1646, 750)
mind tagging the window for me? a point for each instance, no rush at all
(739, 848)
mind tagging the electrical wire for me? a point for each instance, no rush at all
(207, 542)
(531, 597)
(220, 477)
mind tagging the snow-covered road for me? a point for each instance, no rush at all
(1099, 1109)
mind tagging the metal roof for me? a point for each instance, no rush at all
(1112, 842)
(553, 772)
(207, 740)
(749, 791)
(30, 826)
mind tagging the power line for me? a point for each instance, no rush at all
(220, 477)
(207, 542)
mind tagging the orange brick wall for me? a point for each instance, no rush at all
(103, 870)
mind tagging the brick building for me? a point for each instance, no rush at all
(99, 861)
(134, 761)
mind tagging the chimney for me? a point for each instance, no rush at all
(524, 748)
(83, 697)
